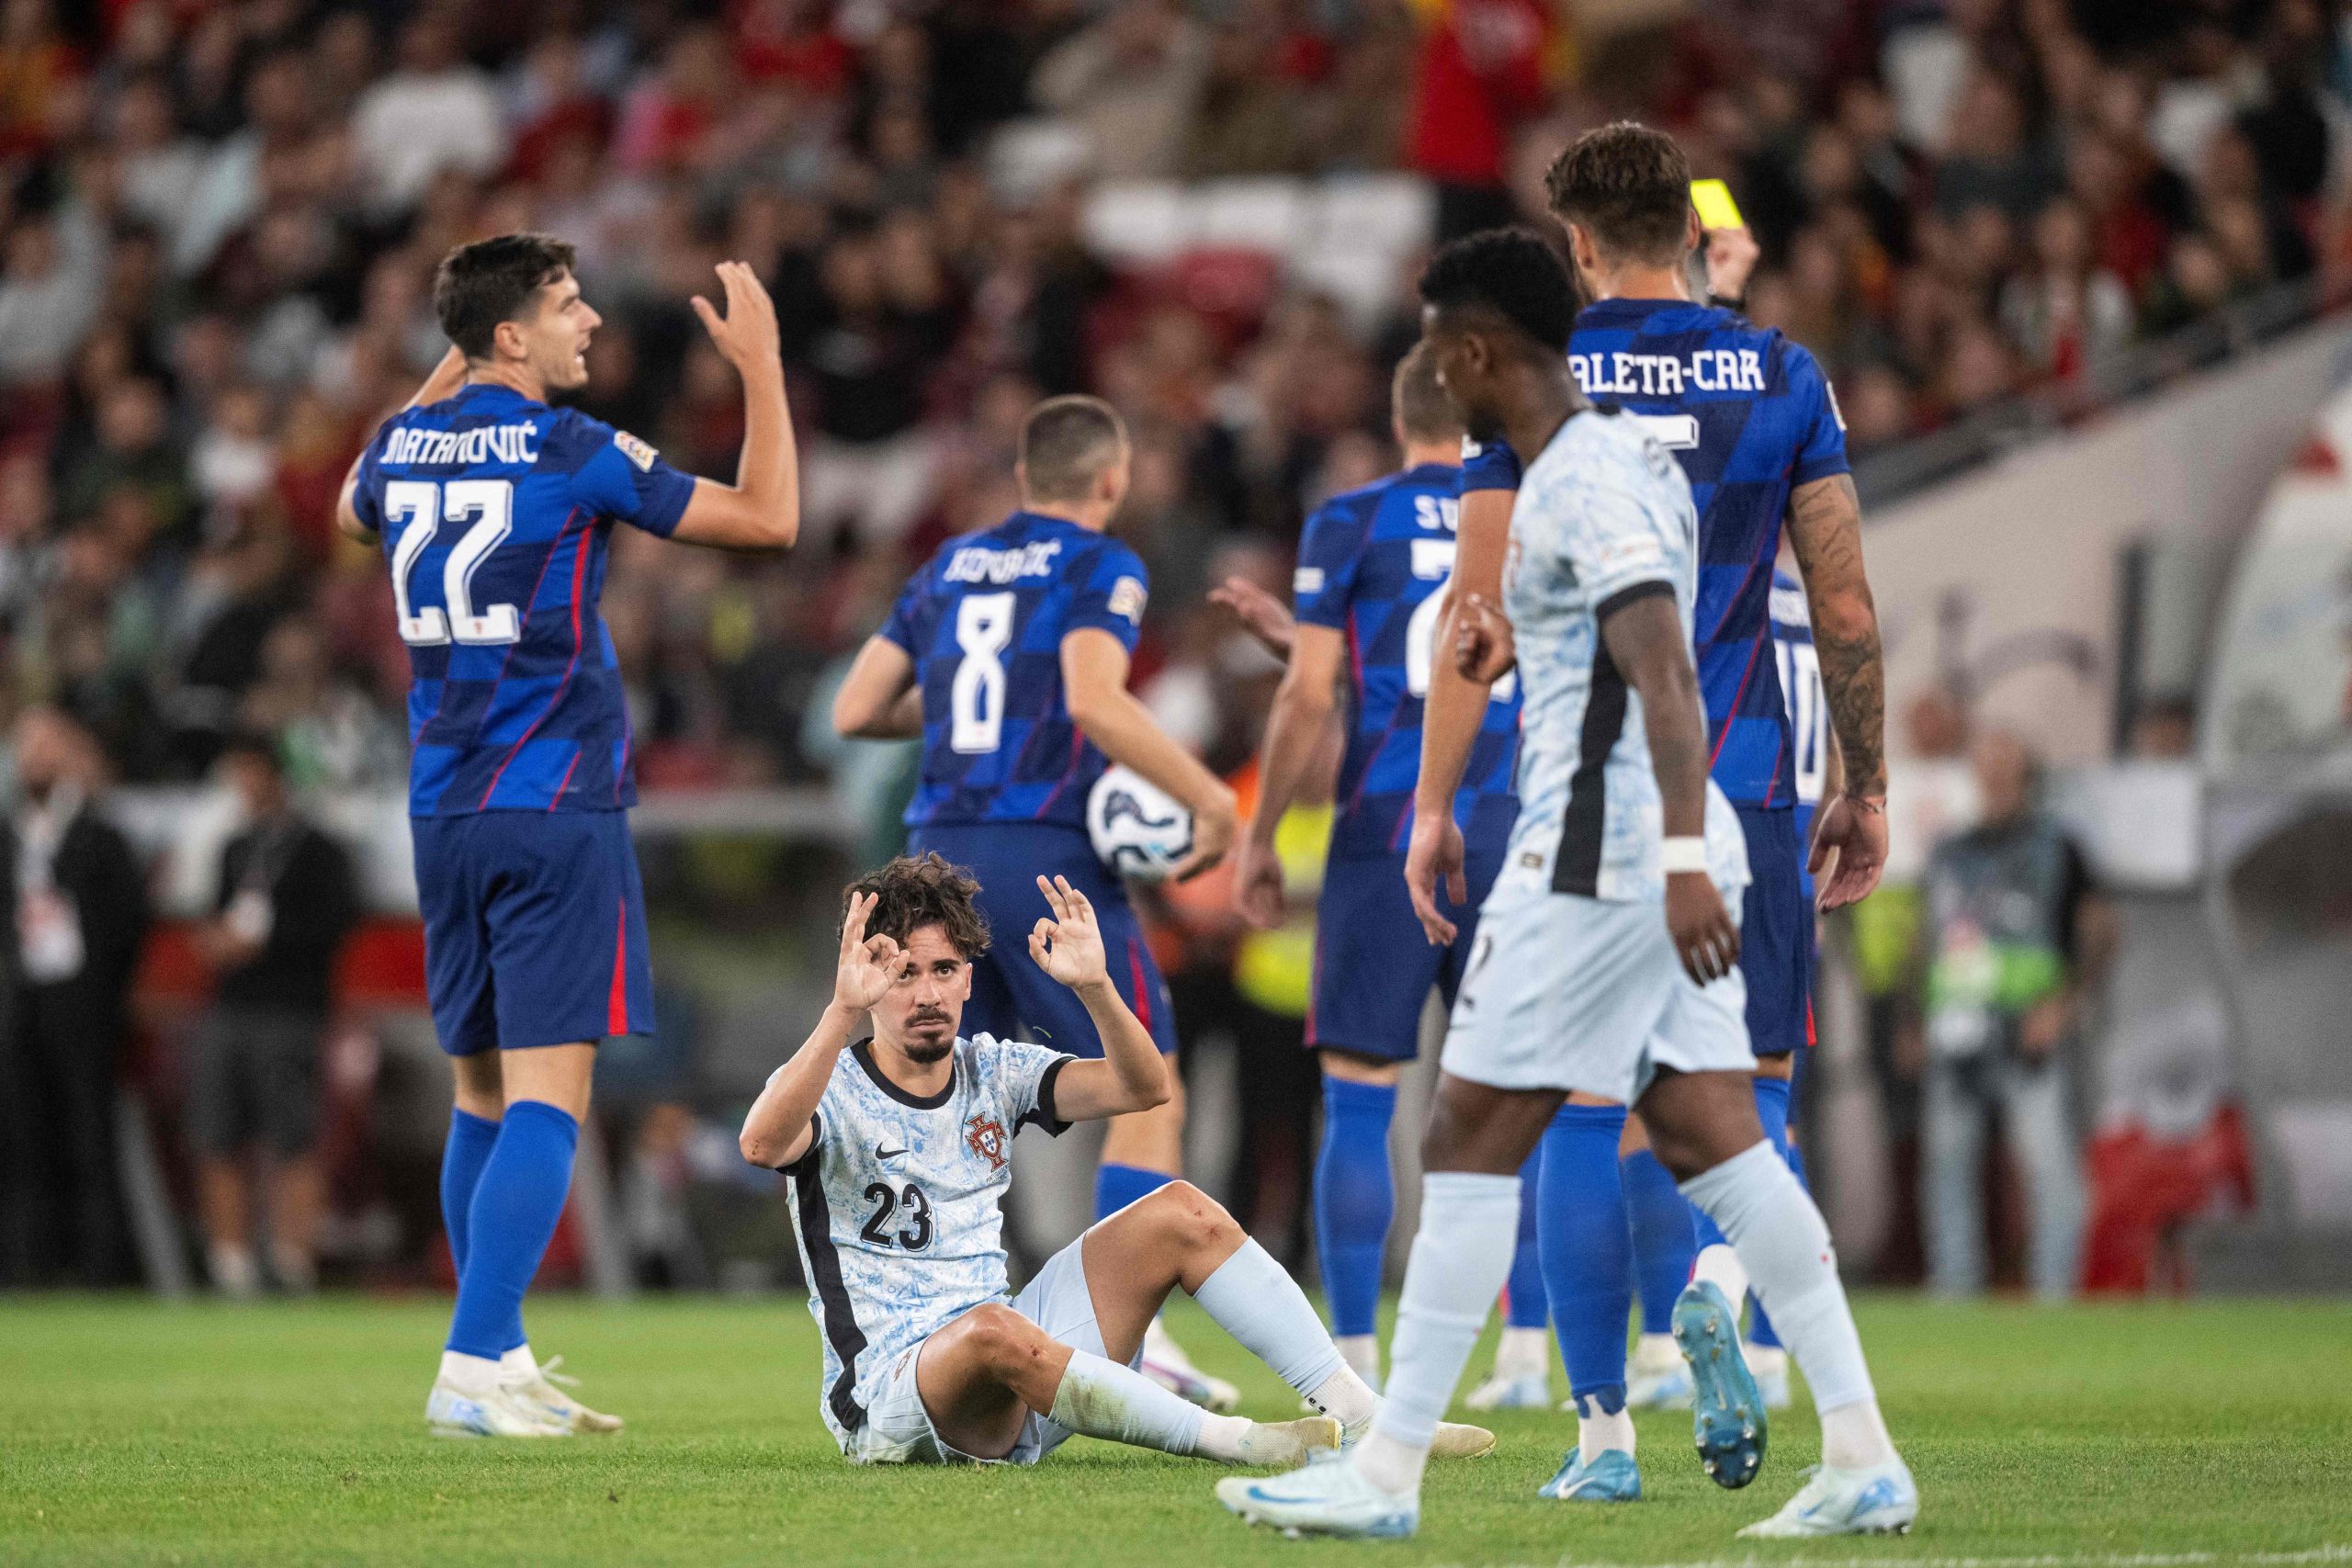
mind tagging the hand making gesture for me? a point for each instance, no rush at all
(870, 965)
(1068, 946)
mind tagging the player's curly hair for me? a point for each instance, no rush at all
(1512, 272)
(915, 891)
(1628, 186)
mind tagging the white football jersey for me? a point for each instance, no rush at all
(1603, 516)
(897, 1205)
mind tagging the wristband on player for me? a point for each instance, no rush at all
(1683, 854)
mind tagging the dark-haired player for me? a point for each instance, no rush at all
(1749, 416)
(495, 511)
(1008, 655)
(898, 1149)
(1372, 565)
(1606, 959)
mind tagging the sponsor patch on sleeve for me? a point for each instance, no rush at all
(1128, 599)
(635, 450)
(1306, 581)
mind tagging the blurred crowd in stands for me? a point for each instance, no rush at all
(220, 217)
(219, 222)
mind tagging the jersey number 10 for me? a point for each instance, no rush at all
(419, 508)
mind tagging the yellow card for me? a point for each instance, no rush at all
(1716, 209)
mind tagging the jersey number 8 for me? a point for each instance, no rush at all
(419, 508)
(976, 699)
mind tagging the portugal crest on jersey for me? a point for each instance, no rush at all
(985, 1136)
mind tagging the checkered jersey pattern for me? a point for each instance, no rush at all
(1750, 417)
(495, 511)
(1371, 565)
(984, 623)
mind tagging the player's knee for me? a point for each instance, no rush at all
(1192, 1220)
(1000, 1338)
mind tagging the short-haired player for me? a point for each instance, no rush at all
(1608, 951)
(495, 510)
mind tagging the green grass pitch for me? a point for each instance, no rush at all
(2107, 1437)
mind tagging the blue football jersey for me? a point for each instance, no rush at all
(1800, 670)
(1750, 417)
(1371, 565)
(495, 511)
(984, 624)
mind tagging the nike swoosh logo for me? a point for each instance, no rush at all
(881, 1153)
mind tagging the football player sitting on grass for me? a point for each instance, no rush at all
(897, 1151)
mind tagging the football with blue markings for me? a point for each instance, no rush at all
(1140, 830)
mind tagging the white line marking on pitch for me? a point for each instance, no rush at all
(2317, 1554)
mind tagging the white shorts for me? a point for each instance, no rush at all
(898, 1428)
(1567, 992)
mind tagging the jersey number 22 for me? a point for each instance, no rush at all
(419, 507)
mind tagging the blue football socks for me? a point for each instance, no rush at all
(471, 1138)
(1588, 1250)
(1666, 1237)
(517, 1202)
(1356, 1198)
(1116, 1186)
(1525, 1305)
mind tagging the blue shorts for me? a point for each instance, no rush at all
(1374, 966)
(1776, 933)
(1012, 998)
(534, 928)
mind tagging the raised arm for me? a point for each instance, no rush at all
(778, 1129)
(1826, 531)
(1094, 680)
(1644, 636)
(878, 699)
(443, 382)
(1295, 730)
(1451, 715)
(760, 511)
(1130, 1075)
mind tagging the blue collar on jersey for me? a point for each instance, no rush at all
(493, 392)
(1603, 313)
(1041, 520)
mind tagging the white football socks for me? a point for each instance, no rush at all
(1255, 1300)
(1102, 1399)
(1460, 1259)
(1524, 1353)
(470, 1375)
(1598, 1430)
(1785, 1246)
(1362, 1352)
(1656, 1353)
(1720, 1267)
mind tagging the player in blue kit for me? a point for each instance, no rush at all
(495, 511)
(1008, 654)
(1371, 565)
(1751, 420)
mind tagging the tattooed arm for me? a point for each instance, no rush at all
(1825, 530)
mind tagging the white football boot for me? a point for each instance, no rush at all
(1881, 1500)
(538, 1382)
(504, 1409)
(1329, 1496)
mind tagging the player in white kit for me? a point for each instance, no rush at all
(1606, 957)
(898, 1150)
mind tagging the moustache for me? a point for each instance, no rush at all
(929, 1016)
